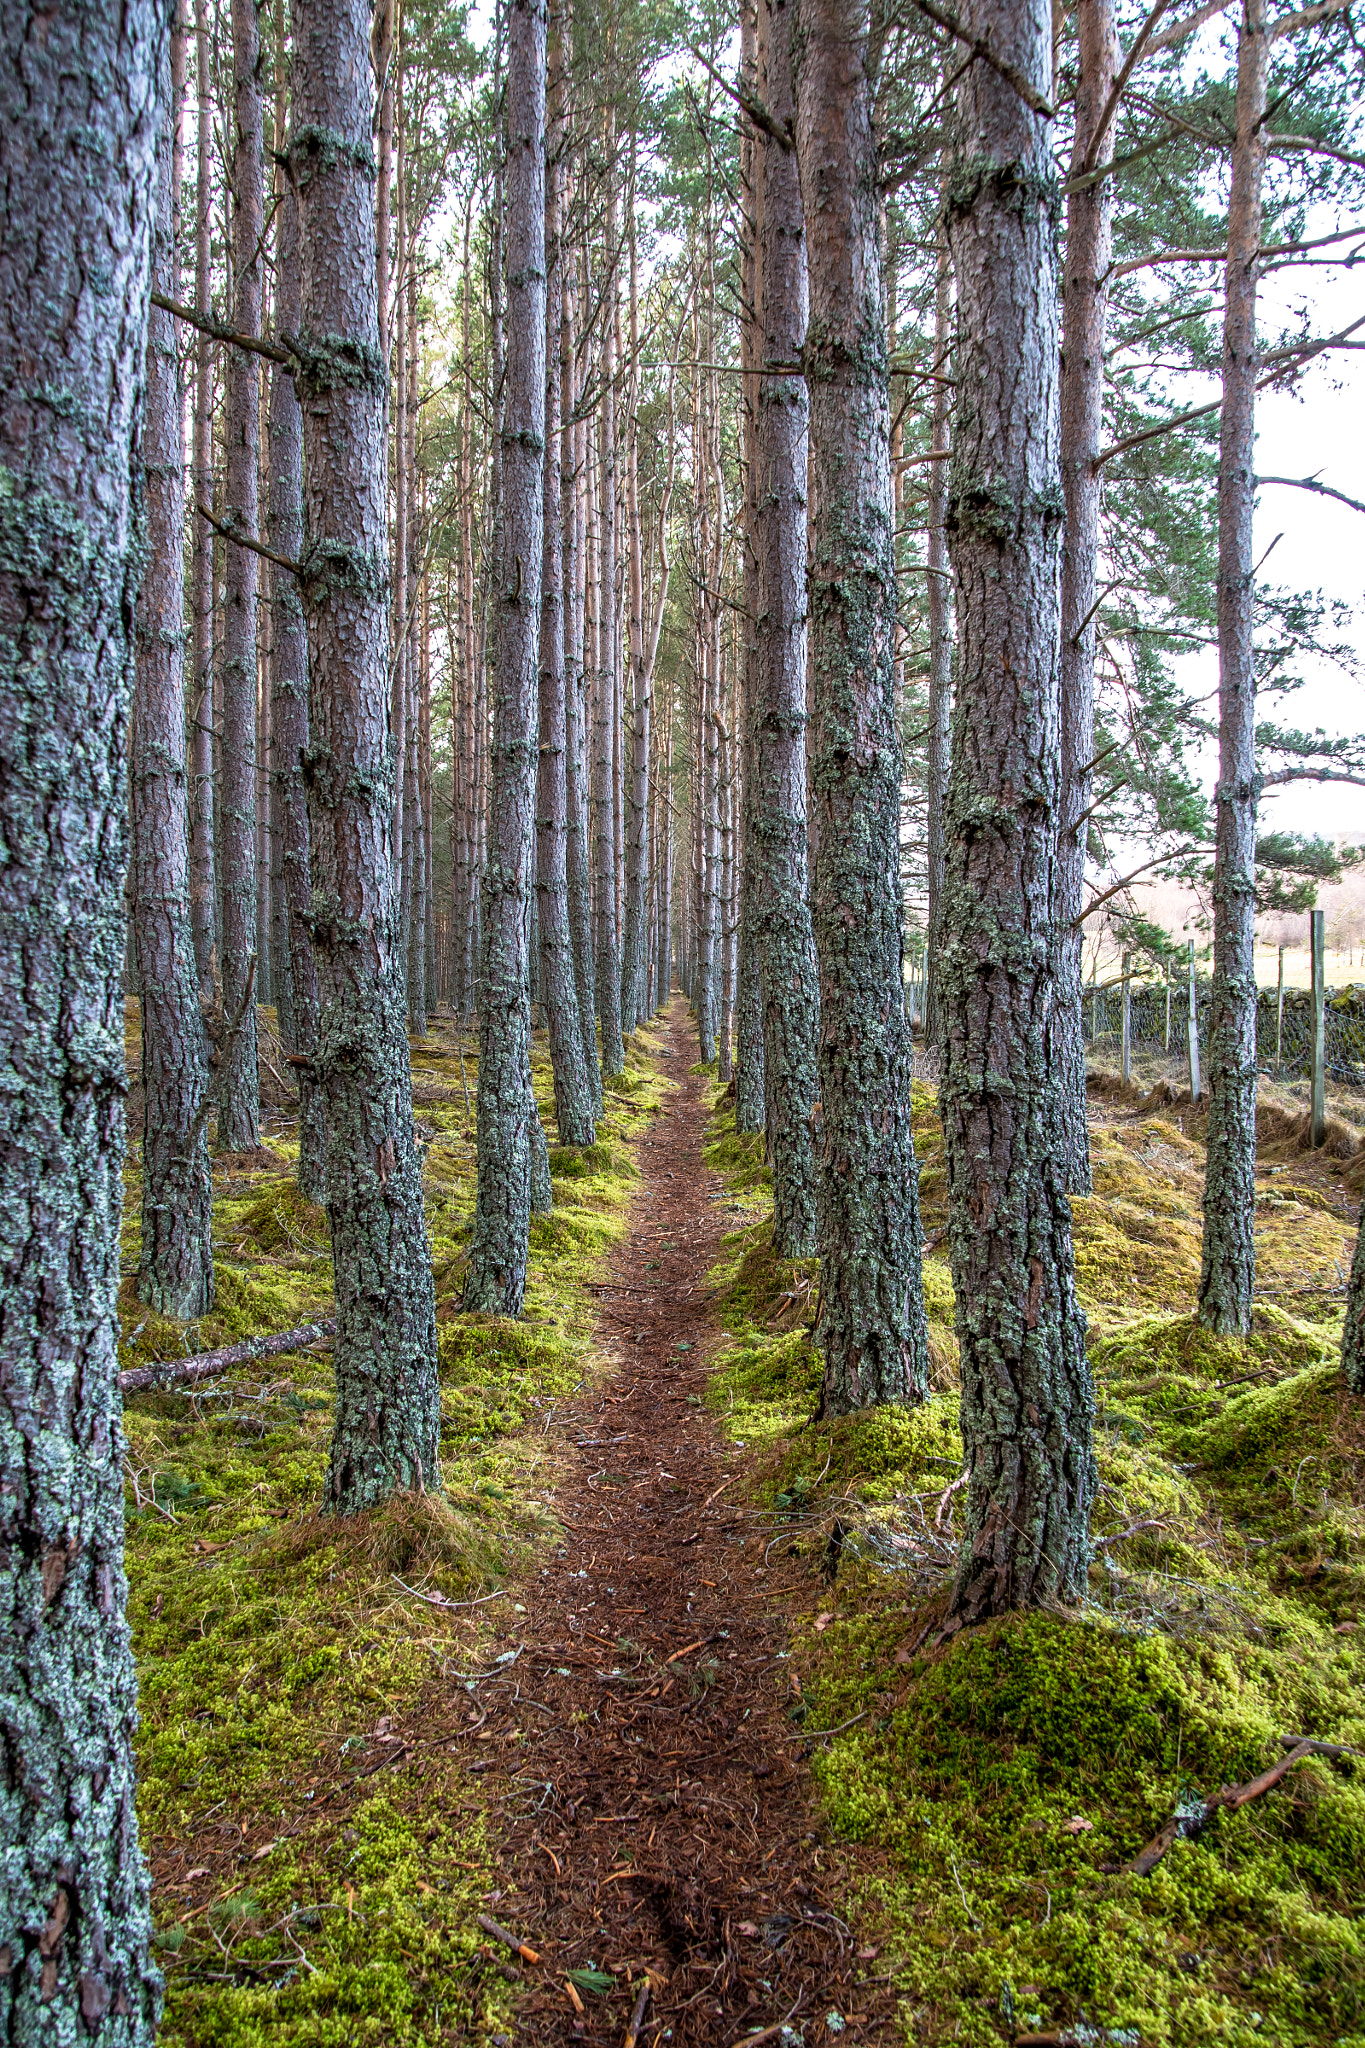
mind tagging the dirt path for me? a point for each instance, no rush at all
(661, 1821)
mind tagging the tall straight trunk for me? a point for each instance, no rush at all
(85, 106)
(289, 706)
(750, 1097)
(383, 48)
(175, 1257)
(428, 837)
(607, 737)
(387, 1427)
(239, 1094)
(506, 1142)
(791, 1009)
(1229, 1261)
(664, 977)
(707, 995)
(642, 685)
(577, 847)
(559, 993)
(872, 1326)
(1027, 1399)
(414, 823)
(398, 641)
(1353, 1330)
(1085, 290)
(203, 889)
(940, 608)
(474, 733)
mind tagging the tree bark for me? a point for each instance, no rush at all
(203, 888)
(175, 1256)
(642, 684)
(781, 911)
(1027, 1399)
(606, 736)
(1089, 248)
(573, 1094)
(289, 707)
(1353, 1331)
(387, 1425)
(872, 1325)
(86, 106)
(497, 1268)
(577, 850)
(1229, 1259)
(750, 1089)
(940, 608)
(239, 1094)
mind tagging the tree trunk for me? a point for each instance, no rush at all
(573, 1095)
(203, 889)
(497, 1268)
(642, 684)
(781, 912)
(750, 1100)
(289, 706)
(1027, 1400)
(606, 734)
(872, 1326)
(1353, 1332)
(1089, 246)
(387, 1401)
(940, 608)
(1229, 1261)
(239, 1094)
(175, 1258)
(577, 850)
(86, 104)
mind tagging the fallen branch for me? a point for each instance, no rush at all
(815, 1734)
(637, 2017)
(1231, 1796)
(510, 1940)
(206, 1365)
(1309, 1745)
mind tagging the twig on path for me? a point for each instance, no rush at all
(637, 2017)
(512, 1941)
(815, 1734)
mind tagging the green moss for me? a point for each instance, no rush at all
(271, 1640)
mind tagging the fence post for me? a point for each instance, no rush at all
(1318, 1130)
(1094, 1002)
(1192, 1032)
(1279, 1015)
(1127, 1020)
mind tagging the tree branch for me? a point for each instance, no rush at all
(1283, 775)
(254, 344)
(1118, 888)
(748, 102)
(1140, 42)
(1305, 18)
(1178, 30)
(240, 540)
(1283, 357)
(1309, 483)
(1012, 75)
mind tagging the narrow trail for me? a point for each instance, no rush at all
(660, 1820)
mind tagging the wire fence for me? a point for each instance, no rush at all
(1158, 1029)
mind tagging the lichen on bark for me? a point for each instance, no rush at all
(85, 105)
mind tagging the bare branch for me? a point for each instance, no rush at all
(1095, 902)
(240, 540)
(1305, 18)
(1140, 42)
(1011, 73)
(748, 102)
(255, 345)
(1309, 483)
(1178, 30)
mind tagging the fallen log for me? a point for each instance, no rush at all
(206, 1365)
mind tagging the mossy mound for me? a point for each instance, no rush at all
(1004, 1781)
(283, 1220)
(877, 1453)
(585, 1162)
(1179, 1344)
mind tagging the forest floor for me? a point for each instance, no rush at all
(651, 1685)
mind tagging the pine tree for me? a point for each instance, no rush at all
(387, 1427)
(872, 1325)
(1027, 1401)
(87, 104)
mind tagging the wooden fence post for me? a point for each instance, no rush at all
(1279, 1015)
(1318, 1131)
(1166, 1043)
(1127, 1019)
(1192, 1032)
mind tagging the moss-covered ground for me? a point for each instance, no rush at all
(1001, 1782)
(319, 1861)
